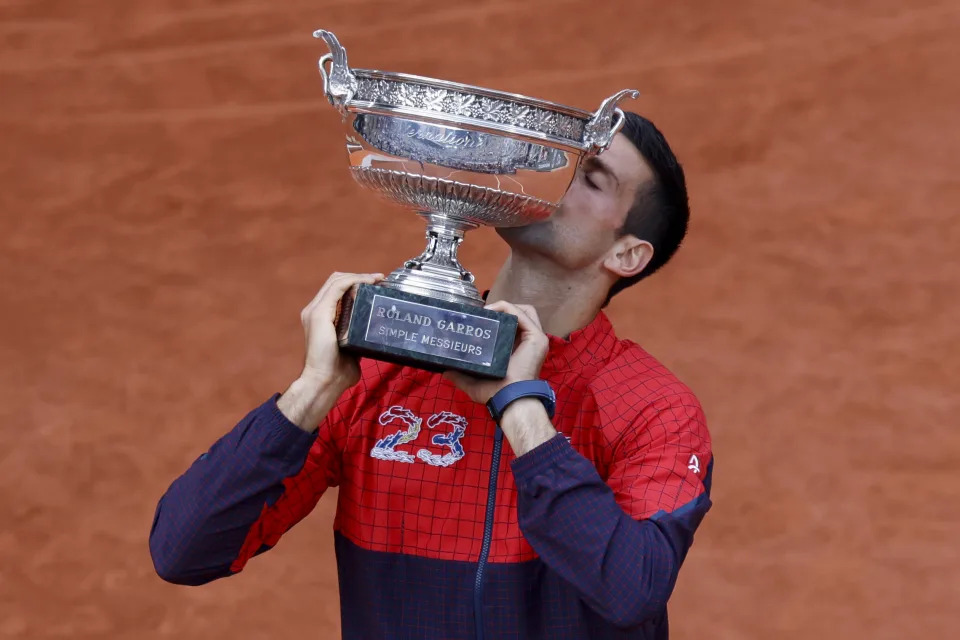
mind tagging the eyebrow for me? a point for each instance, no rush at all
(596, 163)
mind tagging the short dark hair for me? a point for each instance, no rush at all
(661, 210)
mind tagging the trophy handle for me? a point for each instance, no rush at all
(339, 83)
(606, 122)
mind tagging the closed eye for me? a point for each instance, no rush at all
(590, 181)
(605, 178)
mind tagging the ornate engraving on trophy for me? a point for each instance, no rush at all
(446, 137)
(484, 108)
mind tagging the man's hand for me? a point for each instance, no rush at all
(327, 372)
(525, 362)
(525, 422)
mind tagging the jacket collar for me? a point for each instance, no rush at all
(589, 345)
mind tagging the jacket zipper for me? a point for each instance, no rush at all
(487, 532)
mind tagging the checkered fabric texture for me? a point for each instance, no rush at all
(588, 531)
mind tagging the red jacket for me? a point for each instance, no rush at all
(441, 532)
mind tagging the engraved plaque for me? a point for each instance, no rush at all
(429, 329)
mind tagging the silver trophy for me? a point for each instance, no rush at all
(460, 157)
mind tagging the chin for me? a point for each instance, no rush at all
(532, 236)
(539, 239)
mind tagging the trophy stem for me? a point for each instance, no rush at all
(444, 236)
(437, 271)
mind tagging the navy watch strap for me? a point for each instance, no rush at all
(538, 389)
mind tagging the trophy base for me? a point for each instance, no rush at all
(385, 323)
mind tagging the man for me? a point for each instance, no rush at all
(576, 529)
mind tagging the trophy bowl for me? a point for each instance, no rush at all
(460, 157)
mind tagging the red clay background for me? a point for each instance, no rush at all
(173, 190)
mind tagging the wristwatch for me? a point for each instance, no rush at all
(539, 389)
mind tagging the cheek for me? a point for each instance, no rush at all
(594, 213)
(586, 222)
(574, 198)
(609, 212)
(581, 204)
(581, 236)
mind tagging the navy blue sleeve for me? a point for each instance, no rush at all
(203, 519)
(624, 569)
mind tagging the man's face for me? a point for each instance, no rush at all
(585, 226)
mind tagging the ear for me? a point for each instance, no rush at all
(628, 256)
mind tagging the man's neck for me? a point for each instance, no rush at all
(565, 301)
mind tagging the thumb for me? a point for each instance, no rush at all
(461, 380)
(455, 377)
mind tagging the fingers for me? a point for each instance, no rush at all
(456, 377)
(531, 314)
(326, 300)
(327, 305)
(527, 316)
(471, 386)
